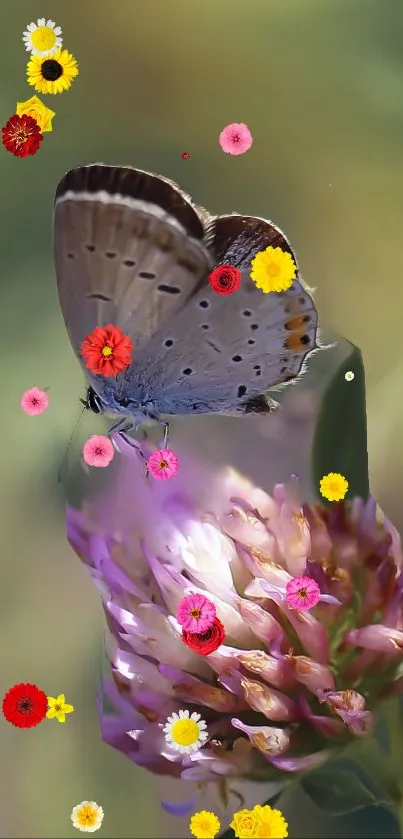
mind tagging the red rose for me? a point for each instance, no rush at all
(205, 642)
(225, 279)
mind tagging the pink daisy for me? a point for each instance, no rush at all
(98, 451)
(235, 138)
(34, 401)
(196, 613)
(163, 464)
(302, 593)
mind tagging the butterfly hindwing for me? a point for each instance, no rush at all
(242, 344)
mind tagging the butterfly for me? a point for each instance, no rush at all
(132, 249)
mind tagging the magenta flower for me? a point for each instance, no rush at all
(288, 688)
(196, 613)
(302, 593)
(163, 464)
(98, 451)
(235, 138)
(34, 401)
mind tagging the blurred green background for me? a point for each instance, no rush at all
(320, 84)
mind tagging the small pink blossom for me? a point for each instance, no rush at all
(98, 451)
(235, 138)
(34, 401)
(196, 613)
(163, 464)
(302, 593)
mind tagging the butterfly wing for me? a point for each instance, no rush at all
(226, 351)
(128, 250)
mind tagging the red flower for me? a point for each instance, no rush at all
(25, 705)
(107, 351)
(21, 135)
(185, 155)
(205, 642)
(225, 279)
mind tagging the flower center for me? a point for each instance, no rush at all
(235, 138)
(185, 732)
(51, 70)
(43, 38)
(99, 451)
(273, 269)
(163, 464)
(302, 592)
(247, 823)
(225, 280)
(106, 351)
(205, 636)
(87, 817)
(57, 707)
(195, 613)
(25, 705)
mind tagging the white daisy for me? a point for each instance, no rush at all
(349, 376)
(87, 816)
(42, 38)
(185, 732)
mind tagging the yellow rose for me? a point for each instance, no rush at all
(245, 824)
(33, 107)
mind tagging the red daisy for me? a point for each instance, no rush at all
(25, 706)
(225, 279)
(206, 642)
(107, 351)
(21, 135)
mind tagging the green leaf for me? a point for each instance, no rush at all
(336, 791)
(340, 442)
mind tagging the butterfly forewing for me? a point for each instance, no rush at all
(128, 251)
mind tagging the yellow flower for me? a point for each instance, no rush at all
(245, 824)
(36, 109)
(349, 376)
(273, 270)
(52, 75)
(333, 486)
(87, 816)
(58, 708)
(204, 825)
(271, 823)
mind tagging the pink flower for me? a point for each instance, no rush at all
(196, 613)
(98, 451)
(34, 401)
(163, 464)
(302, 593)
(236, 138)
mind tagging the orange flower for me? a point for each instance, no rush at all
(107, 351)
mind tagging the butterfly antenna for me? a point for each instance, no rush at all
(64, 463)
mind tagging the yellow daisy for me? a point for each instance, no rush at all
(204, 825)
(273, 270)
(52, 75)
(333, 486)
(42, 38)
(58, 708)
(245, 824)
(271, 823)
(36, 109)
(87, 816)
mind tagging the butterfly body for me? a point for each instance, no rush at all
(133, 250)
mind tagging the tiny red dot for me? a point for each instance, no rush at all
(185, 155)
